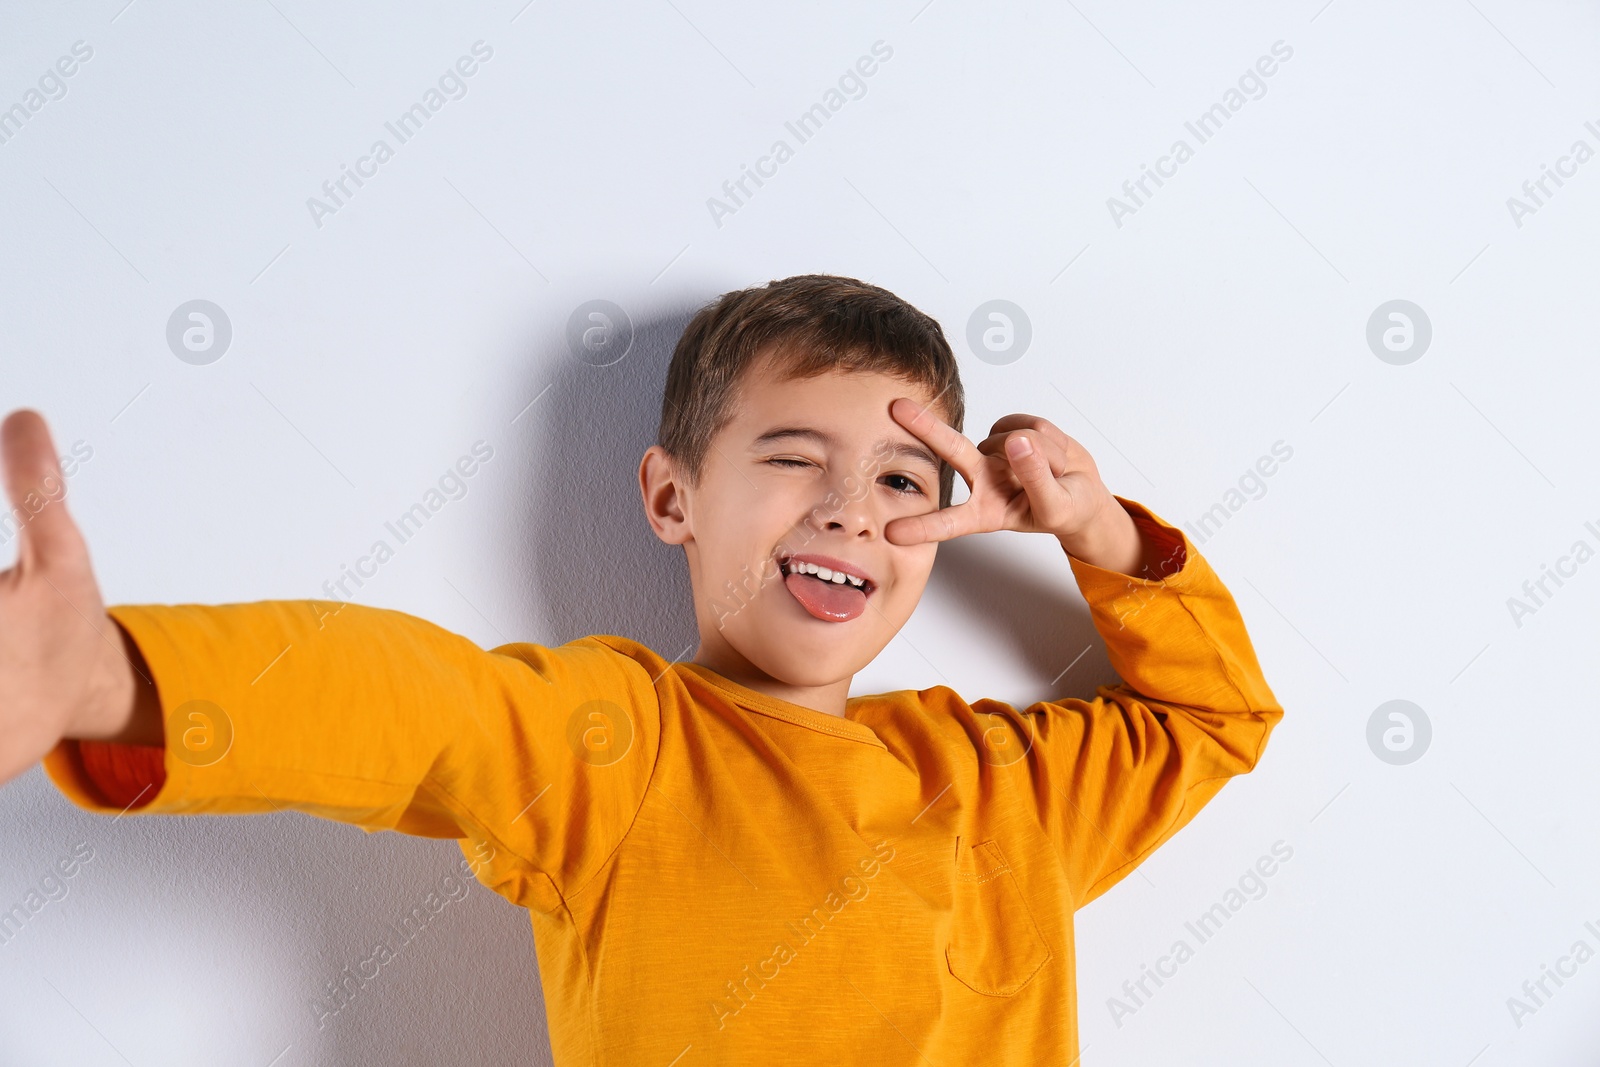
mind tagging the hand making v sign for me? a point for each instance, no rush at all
(1028, 476)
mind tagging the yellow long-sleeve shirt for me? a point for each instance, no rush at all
(714, 875)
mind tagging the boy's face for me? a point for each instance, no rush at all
(830, 491)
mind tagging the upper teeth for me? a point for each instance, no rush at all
(837, 577)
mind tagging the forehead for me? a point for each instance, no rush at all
(776, 410)
(768, 387)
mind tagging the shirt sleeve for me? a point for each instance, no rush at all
(1114, 777)
(536, 759)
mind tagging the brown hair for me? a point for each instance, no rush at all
(818, 322)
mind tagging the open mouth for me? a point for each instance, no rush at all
(832, 594)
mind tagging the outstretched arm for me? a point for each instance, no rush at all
(357, 714)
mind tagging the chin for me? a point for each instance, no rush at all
(816, 663)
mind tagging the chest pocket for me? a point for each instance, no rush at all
(995, 946)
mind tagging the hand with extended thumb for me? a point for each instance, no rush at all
(66, 667)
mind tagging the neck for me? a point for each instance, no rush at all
(828, 699)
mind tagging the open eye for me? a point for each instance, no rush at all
(914, 490)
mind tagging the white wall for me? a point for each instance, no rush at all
(1179, 342)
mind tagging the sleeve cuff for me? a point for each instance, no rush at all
(111, 778)
(1173, 549)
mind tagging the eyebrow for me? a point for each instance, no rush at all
(900, 449)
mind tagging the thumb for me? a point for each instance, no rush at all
(1049, 503)
(35, 487)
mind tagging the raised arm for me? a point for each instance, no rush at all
(1114, 777)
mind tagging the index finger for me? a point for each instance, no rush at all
(957, 520)
(950, 444)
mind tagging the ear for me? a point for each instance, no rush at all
(663, 502)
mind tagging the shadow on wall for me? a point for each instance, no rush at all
(1006, 599)
(596, 566)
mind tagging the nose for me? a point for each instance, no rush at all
(848, 508)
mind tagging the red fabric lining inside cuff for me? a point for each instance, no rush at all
(1174, 552)
(124, 773)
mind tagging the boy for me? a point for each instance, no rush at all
(725, 860)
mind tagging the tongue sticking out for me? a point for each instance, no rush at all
(829, 601)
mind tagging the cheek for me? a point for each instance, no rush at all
(911, 576)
